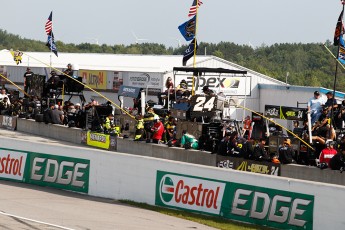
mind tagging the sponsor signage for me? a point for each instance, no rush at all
(59, 172)
(251, 204)
(241, 164)
(285, 113)
(270, 207)
(8, 122)
(99, 140)
(143, 80)
(190, 193)
(12, 164)
(229, 85)
(128, 91)
(94, 79)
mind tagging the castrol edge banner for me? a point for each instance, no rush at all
(246, 203)
(189, 193)
(12, 164)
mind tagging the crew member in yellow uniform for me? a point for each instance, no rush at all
(139, 129)
(109, 127)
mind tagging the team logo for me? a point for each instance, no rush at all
(167, 189)
(189, 193)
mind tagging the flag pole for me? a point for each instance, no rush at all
(336, 71)
(51, 45)
(195, 41)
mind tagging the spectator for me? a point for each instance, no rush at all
(148, 123)
(3, 94)
(57, 116)
(27, 80)
(5, 106)
(234, 150)
(260, 153)
(169, 85)
(69, 70)
(247, 127)
(169, 127)
(109, 126)
(207, 91)
(331, 102)
(315, 106)
(189, 141)
(286, 153)
(327, 153)
(139, 128)
(47, 114)
(158, 131)
(223, 148)
(182, 89)
(337, 162)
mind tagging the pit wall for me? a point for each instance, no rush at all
(76, 136)
(259, 199)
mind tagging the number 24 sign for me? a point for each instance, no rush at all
(203, 103)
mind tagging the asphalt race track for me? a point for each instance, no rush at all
(31, 207)
(24, 206)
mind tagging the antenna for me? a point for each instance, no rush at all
(251, 45)
(137, 40)
(95, 40)
(178, 41)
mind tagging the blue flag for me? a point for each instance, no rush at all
(51, 44)
(187, 29)
(189, 52)
(341, 55)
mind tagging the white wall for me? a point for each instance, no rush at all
(122, 176)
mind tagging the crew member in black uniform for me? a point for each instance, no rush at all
(27, 80)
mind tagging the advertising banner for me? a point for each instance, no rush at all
(128, 91)
(8, 122)
(12, 164)
(143, 80)
(94, 79)
(285, 113)
(229, 85)
(59, 172)
(250, 204)
(262, 167)
(99, 140)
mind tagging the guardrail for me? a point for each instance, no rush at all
(78, 136)
(247, 197)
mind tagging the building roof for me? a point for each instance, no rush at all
(96, 61)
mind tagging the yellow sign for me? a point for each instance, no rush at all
(94, 78)
(99, 140)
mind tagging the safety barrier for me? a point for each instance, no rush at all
(247, 197)
(76, 136)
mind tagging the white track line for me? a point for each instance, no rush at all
(36, 221)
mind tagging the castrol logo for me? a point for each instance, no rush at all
(12, 164)
(191, 193)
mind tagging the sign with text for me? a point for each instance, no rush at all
(245, 203)
(143, 80)
(94, 78)
(261, 167)
(285, 113)
(59, 172)
(229, 85)
(12, 164)
(99, 140)
(8, 122)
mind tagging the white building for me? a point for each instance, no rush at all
(106, 72)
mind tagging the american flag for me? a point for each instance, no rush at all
(193, 8)
(49, 24)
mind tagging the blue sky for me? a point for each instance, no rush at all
(112, 21)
